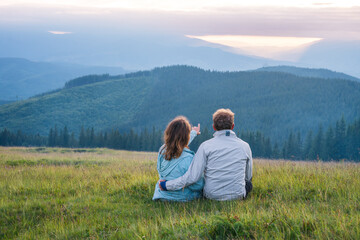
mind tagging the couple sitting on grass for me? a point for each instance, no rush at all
(221, 169)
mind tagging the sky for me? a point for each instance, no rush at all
(187, 5)
(278, 29)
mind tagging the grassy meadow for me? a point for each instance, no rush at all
(54, 193)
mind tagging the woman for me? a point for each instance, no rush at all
(174, 159)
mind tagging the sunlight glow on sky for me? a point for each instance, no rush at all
(237, 41)
(264, 46)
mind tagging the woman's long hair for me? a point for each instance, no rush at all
(176, 137)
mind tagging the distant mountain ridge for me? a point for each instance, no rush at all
(141, 51)
(340, 56)
(4, 102)
(297, 71)
(21, 78)
(272, 102)
(309, 72)
(149, 49)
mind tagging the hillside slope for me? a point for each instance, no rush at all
(274, 103)
(103, 105)
(21, 78)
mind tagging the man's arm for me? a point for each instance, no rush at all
(198, 186)
(192, 175)
(249, 165)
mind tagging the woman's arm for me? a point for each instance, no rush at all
(193, 134)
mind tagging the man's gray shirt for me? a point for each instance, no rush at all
(225, 161)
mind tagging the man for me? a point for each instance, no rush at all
(225, 161)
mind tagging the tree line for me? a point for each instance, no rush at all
(341, 141)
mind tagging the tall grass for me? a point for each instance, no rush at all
(53, 193)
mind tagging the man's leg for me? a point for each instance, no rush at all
(248, 187)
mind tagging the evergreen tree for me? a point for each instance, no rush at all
(105, 140)
(65, 137)
(299, 146)
(353, 139)
(51, 142)
(82, 138)
(267, 149)
(259, 147)
(276, 152)
(330, 144)
(340, 139)
(308, 146)
(87, 137)
(317, 150)
(72, 141)
(91, 142)
(56, 136)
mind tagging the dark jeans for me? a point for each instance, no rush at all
(248, 187)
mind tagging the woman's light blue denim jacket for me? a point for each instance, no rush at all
(173, 169)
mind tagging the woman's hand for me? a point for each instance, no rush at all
(197, 129)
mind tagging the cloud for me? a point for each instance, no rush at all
(324, 22)
(322, 4)
(59, 32)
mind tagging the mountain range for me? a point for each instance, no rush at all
(340, 56)
(134, 50)
(21, 78)
(270, 101)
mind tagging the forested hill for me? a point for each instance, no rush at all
(271, 102)
(309, 72)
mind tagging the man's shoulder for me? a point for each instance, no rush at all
(243, 144)
(215, 141)
(207, 142)
(204, 146)
(242, 141)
